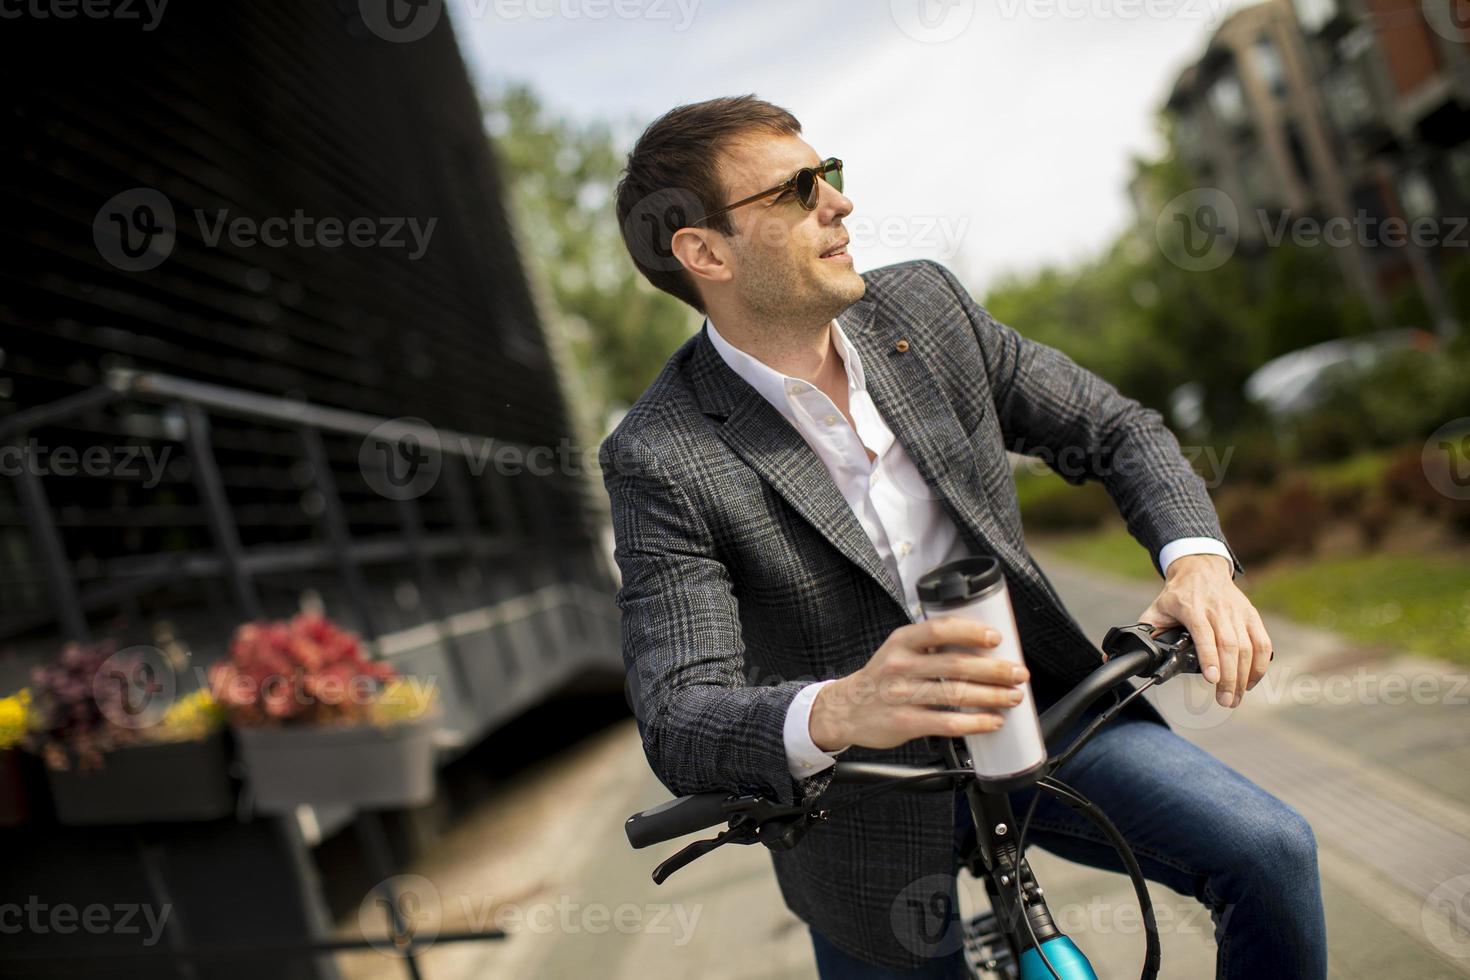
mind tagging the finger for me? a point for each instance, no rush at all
(1203, 635)
(956, 724)
(977, 668)
(1261, 641)
(948, 631)
(1247, 658)
(958, 694)
(1228, 648)
(915, 721)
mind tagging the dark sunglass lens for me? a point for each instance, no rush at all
(806, 188)
(834, 174)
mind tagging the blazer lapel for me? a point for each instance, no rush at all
(769, 444)
(908, 397)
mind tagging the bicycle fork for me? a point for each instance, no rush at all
(1000, 864)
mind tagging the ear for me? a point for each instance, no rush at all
(704, 253)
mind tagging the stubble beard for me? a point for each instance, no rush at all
(784, 302)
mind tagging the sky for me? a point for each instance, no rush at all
(994, 136)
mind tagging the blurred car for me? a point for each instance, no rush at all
(1299, 380)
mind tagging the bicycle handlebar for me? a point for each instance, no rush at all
(1134, 651)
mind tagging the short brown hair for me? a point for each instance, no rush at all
(672, 181)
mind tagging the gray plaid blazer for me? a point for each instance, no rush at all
(745, 575)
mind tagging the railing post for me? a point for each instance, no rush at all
(53, 555)
(217, 507)
(338, 534)
(413, 530)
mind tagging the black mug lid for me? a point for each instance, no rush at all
(958, 582)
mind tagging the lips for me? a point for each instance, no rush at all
(839, 249)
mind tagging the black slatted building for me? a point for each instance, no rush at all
(172, 301)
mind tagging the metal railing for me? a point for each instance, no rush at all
(574, 576)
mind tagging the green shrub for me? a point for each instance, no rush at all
(1250, 524)
(1300, 512)
(1405, 484)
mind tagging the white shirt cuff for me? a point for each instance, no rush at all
(802, 754)
(1193, 546)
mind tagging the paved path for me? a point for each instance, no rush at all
(1384, 784)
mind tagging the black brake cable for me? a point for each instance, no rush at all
(886, 786)
(1153, 955)
(1151, 940)
(1020, 893)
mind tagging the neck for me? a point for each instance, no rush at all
(801, 350)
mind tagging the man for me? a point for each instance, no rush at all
(824, 440)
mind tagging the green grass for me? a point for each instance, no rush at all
(1411, 602)
(1418, 603)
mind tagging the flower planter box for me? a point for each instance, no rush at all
(165, 781)
(355, 765)
(16, 789)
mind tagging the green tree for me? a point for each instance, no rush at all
(561, 176)
(1147, 325)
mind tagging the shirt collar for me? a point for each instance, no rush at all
(772, 384)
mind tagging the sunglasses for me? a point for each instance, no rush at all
(803, 183)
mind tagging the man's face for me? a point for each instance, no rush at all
(781, 252)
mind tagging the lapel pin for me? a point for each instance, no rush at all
(901, 346)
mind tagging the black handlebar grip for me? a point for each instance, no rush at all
(676, 818)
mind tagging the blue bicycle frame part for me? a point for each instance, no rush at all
(1064, 957)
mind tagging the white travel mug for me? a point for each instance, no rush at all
(1012, 755)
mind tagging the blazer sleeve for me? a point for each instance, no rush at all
(705, 725)
(1048, 405)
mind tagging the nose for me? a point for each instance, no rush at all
(832, 203)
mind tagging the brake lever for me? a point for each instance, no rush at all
(1180, 655)
(740, 834)
(764, 822)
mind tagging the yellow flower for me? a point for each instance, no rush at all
(191, 717)
(403, 699)
(14, 716)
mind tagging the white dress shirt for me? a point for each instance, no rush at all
(899, 511)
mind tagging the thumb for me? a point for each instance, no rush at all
(1157, 618)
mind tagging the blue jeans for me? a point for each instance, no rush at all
(1196, 826)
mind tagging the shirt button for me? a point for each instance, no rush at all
(874, 478)
(793, 389)
(905, 548)
(830, 420)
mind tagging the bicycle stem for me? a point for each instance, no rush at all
(999, 862)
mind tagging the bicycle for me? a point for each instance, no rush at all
(1016, 938)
